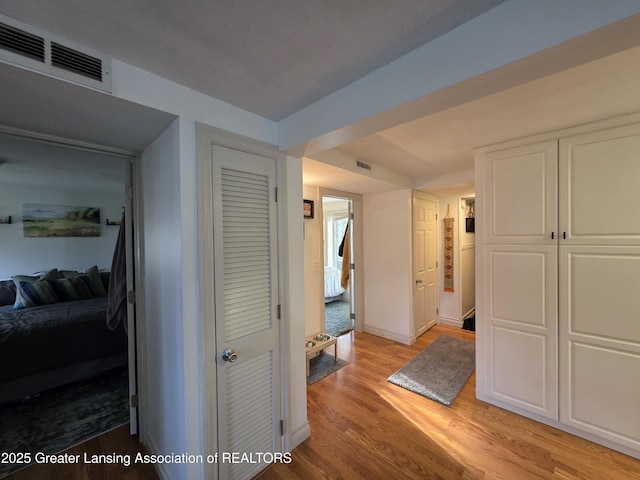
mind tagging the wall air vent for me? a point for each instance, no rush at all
(77, 62)
(33, 49)
(360, 164)
(22, 43)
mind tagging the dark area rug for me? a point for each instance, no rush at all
(323, 365)
(440, 371)
(337, 319)
(64, 417)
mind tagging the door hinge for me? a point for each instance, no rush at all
(436, 264)
(436, 216)
(352, 316)
(437, 311)
(281, 427)
(129, 192)
(133, 401)
(131, 296)
(353, 267)
(277, 193)
(279, 312)
(351, 216)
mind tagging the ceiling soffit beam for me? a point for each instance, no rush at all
(349, 163)
(493, 52)
(465, 178)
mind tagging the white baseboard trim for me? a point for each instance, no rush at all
(378, 332)
(300, 434)
(153, 450)
(450, 321)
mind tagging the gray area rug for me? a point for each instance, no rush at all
(337, 320)
(440, 371)
(323, 365)
(64, 417)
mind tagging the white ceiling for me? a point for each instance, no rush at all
(270, 57)
(281, 55)
(443, 142)
(38, 164)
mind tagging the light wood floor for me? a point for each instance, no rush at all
(117, 440)
(364, 427)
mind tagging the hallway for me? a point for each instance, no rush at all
(364, 427)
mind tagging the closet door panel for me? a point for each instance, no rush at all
(599, 177)
(603, 393)
(522, 316)
(600, 341)
(522, 194)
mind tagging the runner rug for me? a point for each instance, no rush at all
(440, 371)
(323, 365)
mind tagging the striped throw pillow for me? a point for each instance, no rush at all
(70, 289)
(37, 293)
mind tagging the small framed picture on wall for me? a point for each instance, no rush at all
(307, 208)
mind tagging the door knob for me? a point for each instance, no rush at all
(229, 355)
(418, 281)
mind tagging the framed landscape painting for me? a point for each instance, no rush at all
(60, 221)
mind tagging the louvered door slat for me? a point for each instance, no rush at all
(250, 425)
(246, 242)
(244, 233)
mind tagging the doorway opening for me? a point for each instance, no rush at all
(71, 370)
(339, 281)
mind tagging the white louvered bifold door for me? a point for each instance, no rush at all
(245, 245)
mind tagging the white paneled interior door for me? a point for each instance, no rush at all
(599, 179)
(521, 283)
(246, 306)
(520, 277)
(522, 205)
(424, 263)
(599, 279)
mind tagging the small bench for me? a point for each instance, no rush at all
(318, 342)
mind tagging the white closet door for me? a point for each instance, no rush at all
(521, 326)
(600, 341)
(599, 179)
(599, 176)
(521, 194)
(246, 308)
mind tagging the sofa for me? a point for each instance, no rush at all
(53, 331)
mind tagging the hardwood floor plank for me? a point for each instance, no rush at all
(115, 441)
(365, 427)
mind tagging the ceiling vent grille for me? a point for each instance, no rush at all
(21, 42)
(360, 164)
(77, 62)
(31, 48)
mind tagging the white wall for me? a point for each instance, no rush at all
(21, 255)
(387, 238)
(180, 383)
(164, 407)
(313, 264)
(295, 302)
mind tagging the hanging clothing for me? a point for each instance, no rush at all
(117, 293)
(346, 260)
(344, 237)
